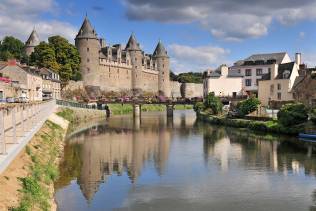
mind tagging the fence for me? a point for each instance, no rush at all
(75, 104)
(18, 124)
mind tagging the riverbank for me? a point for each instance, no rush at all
(261, 126)
(117, 109)
(28, 182)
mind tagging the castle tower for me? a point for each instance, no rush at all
(162, 63)
(89, 47)
(137, 64)
(31, 43)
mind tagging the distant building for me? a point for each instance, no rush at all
(304, 88)
(255, 66)
(276, 86)
(27, 82)
(32, 42)
(51, 84)
(114, 68)
(222, 82)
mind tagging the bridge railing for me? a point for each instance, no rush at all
(74, 104)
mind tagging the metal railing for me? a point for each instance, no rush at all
(74, 104)
(17, 121)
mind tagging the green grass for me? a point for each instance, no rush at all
(183, 107)
(43, 171)
(67, 114)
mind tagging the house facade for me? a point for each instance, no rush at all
(51, 84)
(254, 67)
(222, 82)
(275, 88)
(28, 83)
(304, 89)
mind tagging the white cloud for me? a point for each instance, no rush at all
(229, 19)
(186, 58)
(18, 17)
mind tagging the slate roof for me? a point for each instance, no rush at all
(232, 74)
(132, 44)
(298, 80)
(33, 39)
(86, 30)
(160, 50)
(269, 56)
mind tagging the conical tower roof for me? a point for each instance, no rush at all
(86, 30)
(160, 50)
(33, 40)
(132, 44)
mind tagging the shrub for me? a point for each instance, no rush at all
(213, 103)
(245, 107)
(292, 114)
(313, 116)
(198, 107)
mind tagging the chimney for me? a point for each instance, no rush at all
(274, 71)
(298, 59)
(102, 43)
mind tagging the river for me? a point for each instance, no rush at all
(182, 164)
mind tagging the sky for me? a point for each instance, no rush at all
(198, 34)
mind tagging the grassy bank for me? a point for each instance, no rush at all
(43, 151)
(128, 108)
(262, 126)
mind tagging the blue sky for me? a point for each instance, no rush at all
(198, 34)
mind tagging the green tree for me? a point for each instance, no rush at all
(248, 106)
(213, 103)
(59, 55)
(12, 48)
(292, 114)
(44, 56)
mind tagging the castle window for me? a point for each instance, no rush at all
(88, 60)
(88, 49)
(88, 69)
(135, 59)
(163, 66)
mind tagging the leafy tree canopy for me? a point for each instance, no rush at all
(214, 103)
(12, 48)
(292, 114)
(59, 55)
(190, 77)
(248, 106)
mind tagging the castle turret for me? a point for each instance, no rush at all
(162, 64)
(89, 48)
(32, 42)
(136, 60)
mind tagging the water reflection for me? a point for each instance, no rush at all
(170, 149)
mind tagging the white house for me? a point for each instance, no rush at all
(222, 82)
(255, 66)
(277, 85)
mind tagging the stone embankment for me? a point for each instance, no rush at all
(28, 182)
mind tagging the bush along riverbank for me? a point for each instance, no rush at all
(262, 126)
(292, 117)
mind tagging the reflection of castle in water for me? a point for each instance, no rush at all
(286, 156)
(120, 146)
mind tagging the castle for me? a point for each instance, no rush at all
(115, 68)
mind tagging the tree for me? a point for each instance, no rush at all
(59, 55)
(12, 48)
(292, 114)
(213, 103)
(248, 106)
(313, 115)
(189, 77)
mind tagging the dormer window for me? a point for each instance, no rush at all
(286, 74)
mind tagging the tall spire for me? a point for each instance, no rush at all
(132, 43)
(160, 50)
(86, 30)
(33, 39)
